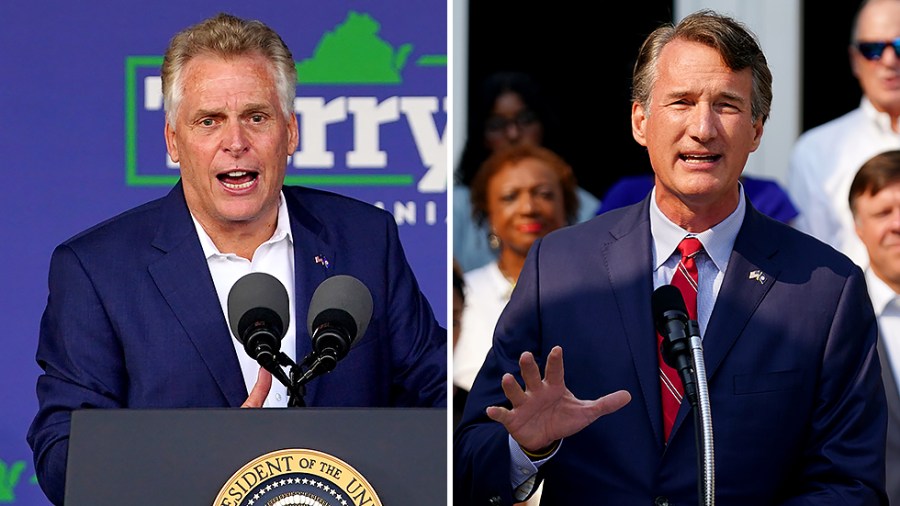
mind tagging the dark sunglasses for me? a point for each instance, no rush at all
(872, 50)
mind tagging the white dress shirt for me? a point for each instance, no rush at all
(824, 162)
(887, 310)
(275, 257)
(717, 243)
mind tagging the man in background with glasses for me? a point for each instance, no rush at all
(826, 158)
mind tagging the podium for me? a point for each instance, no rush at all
(186, 456)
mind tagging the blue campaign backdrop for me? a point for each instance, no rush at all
(82, 139)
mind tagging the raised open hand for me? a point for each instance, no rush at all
(546, 410)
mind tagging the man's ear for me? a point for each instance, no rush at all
(171, 143)
(757, 134)
(293, 134)
(638, 123)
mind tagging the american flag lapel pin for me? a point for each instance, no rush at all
(759, 276)
(321, 260)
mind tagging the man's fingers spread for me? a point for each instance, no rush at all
(513, 391)
(530, 371)
(554, 372)
(612, 402)
(497, 413)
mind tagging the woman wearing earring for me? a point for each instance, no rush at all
(510, 110)
(521, 194)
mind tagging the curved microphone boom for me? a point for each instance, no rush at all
(671, 320)
(259, 315)
(339, 313)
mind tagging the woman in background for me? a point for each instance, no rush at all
(520, 194)
(511, 111)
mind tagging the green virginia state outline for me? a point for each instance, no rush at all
(351, 54)
(354, 54)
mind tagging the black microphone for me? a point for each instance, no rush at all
(259, 315)
(671, 320)
(339, 313)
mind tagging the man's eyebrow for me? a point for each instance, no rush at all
(257, 107)
(200, 113)
(728, 95)
(734, 97)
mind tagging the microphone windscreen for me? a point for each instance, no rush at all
(258, 290)
(345, 293)
(665, 299)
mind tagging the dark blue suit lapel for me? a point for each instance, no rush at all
(742, 290)
(629, 266)
(182, 276)
(750, 274)
(312, 249)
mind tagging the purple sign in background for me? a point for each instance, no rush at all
(82, 140)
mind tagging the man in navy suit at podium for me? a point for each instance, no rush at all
(789, 336)
(136, 312)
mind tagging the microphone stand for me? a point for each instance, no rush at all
(312, 366)
(703, 427)
(296, 391)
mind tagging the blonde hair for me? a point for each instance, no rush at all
(227, 36)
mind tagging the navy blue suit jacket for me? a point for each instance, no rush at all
(797, 402)
(133, 319)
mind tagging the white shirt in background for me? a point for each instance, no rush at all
(824, 162)
(887, 310)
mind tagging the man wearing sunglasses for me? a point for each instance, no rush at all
(825, 158)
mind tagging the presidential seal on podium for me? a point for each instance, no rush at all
(297, 477)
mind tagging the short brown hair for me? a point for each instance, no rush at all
(227, 36)
(514, 154)
(734, 42)
(878, 172)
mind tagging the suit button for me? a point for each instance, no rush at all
(494, 501)
(661, 501)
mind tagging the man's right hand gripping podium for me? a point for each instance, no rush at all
(788, 331)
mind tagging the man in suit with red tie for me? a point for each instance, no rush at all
(875, 204)
(137, 305)
(789, 335)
